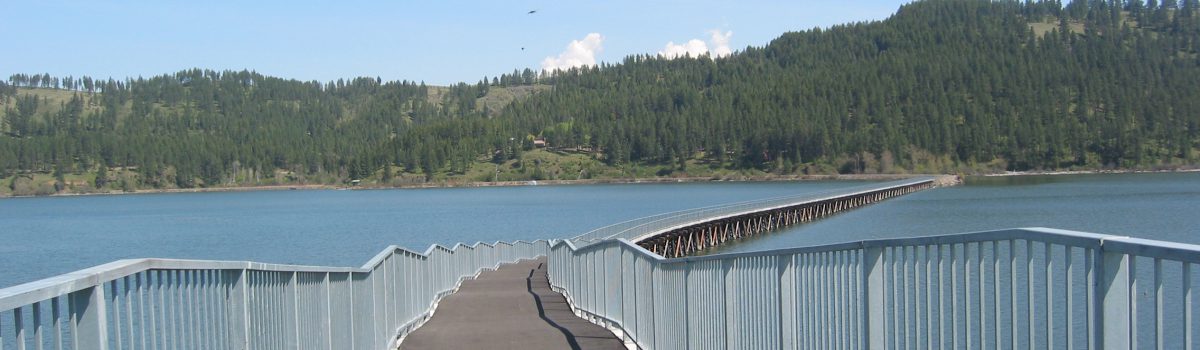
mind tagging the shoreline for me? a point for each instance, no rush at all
(453, 184)
(944, 180)
(1090, 172)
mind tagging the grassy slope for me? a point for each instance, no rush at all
(551, 164)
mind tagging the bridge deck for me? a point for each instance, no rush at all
(510, 308)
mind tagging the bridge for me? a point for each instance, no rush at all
(643, 282)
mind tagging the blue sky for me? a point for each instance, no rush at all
(438, 41)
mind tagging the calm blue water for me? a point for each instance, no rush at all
(42, 237)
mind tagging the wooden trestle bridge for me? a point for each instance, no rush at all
(708, 232)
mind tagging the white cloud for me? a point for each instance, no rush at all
(719, 43)
(578, 53)
(692, 48)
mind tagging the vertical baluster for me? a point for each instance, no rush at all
(1070, 294)
(1158, 304)
(1092, 302)
(1029, 295)
(1133, 303)
(89, 324)
(833, 288)
(847, 274)
(930, 251)
(116, 313)
(904, 287)
(945, 329)
(1116, 271)
(1012, 290)
(995, 246)
(160, 325)
(199, 328)
(826, 300)
(1187, 305)
(158, 316)
(810, 324)
(920, 286)
(1049, 261)
(37, 326)
(55, 315)
(179, 307)
(128, 311)
(894, 285)
(207, 290)
(967, 298)
(222, 321)
(171, 298)
(982, 299)
(18, 328)
(955, 320)
(190, 305)
(141, 298)
(858, 292)
(839, 313)
(814, 271)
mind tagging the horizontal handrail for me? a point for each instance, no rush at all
(1116, 243)
(22, 294)
(176, 303)
(865, 294)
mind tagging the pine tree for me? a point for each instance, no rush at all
(102, 177)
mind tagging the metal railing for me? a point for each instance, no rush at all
(192, 304)
(638, 228)
(1018, 288)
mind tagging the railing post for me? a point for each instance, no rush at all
(787, 302)
(238, 312)
(89, 322)
(1114, 313)
(873, 311)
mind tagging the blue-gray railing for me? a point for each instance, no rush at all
(192, 304)
(640, 228)
(1019, 288)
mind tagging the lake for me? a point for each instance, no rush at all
(42, 237)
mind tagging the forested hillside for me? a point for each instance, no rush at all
(941, 86)
(1029, 86)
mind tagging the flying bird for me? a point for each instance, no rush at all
(531, 12)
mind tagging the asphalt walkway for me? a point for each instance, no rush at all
(510, 308)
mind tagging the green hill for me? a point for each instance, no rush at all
(941, 86)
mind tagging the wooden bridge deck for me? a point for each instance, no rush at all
(510, 308)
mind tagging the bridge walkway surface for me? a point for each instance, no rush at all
(510, 308)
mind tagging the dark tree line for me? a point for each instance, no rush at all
(1026, 85)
